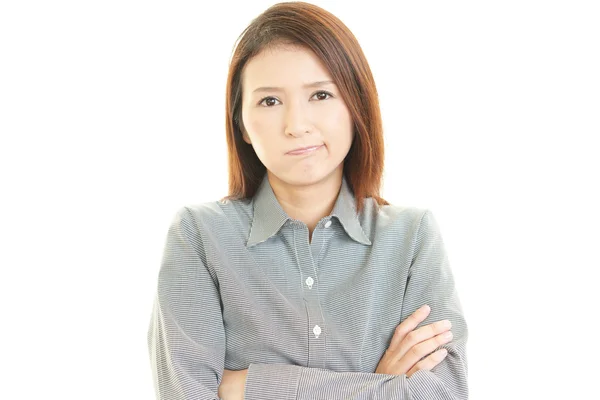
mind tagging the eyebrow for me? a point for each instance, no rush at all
(278, 89)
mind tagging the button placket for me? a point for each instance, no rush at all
(316, 325)
(319, 238)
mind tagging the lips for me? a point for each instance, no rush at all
(304, 150)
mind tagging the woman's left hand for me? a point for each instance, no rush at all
(233, 384)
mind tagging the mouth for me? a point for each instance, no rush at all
(304, 150)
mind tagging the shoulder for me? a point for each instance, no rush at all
(398, 219)
(418, 223)
(400, 215)
(402, 227)
(216, 214)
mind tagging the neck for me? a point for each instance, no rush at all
(308, 203)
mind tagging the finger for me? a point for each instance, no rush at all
(429, 362)
(408, 325)
(420, 335)
(424, 333)
(414, 355)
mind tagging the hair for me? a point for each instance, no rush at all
(309, 26)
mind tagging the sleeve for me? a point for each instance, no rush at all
(186, 336)
(430, 282)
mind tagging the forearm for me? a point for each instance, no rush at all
(291, 382)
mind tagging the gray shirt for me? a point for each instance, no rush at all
(241, 286)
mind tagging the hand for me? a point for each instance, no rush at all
(408, 346)
(233, 384)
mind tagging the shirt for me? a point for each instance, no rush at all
(241, 286)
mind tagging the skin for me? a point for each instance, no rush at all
(289, 101)
(290, 115)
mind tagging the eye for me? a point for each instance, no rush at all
(268, 101)
(322, 95)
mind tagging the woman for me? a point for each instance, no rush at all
(304, 283)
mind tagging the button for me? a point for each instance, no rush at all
(328, 224)
(317, 331)
(309, 282)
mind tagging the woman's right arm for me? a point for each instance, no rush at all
(186, 337)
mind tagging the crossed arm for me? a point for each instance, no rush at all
(188, 362)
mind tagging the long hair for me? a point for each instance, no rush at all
(307, 25)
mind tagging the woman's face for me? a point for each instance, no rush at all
(289, 102)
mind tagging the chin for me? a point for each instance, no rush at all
(305, 178)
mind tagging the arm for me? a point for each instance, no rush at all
(430, 282)
(187, 347)
(186, 336)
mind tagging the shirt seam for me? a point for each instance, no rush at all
(237, 215)
(412, 261)
(414, 244)
(212, 273)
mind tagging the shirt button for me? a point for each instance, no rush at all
(317, 331)
(309, 282)
(328, 224)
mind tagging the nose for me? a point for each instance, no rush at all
(297, 120)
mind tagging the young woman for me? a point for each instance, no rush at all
(304, 283)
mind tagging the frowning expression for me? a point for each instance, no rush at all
(290, 102)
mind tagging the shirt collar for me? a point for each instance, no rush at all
(269, 217)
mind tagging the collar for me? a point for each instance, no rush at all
(269, 217)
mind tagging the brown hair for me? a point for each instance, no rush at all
(307, 25)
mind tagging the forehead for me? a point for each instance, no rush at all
(284, 65)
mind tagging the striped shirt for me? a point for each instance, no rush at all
(241, 286)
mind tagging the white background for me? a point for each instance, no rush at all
(112, 118)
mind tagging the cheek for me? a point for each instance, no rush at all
(259, 124)
(345, 119)
(261, 129)
(338, 123)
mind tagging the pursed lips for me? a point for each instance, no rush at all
(304, 150)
